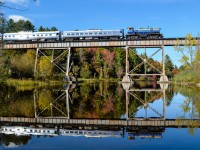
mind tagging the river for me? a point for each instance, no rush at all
(100, 115)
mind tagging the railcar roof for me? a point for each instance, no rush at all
(93, 31)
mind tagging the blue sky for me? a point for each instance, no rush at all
(176, 18)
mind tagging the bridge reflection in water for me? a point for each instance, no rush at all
(142, 127)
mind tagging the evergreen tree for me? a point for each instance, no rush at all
(169, 66)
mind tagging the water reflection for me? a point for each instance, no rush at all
(97, 110)
(101, 101)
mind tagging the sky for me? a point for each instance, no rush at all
(176, 18)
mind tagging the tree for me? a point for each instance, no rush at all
(108, 58)
(20, 25)
(187, 51)
(23, 65)
(85, 71)
(169, 66)
(41, 28)
(197, 57)
(119, 61)
(45, 67)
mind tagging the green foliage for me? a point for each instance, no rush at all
(44, 100)
(45, 67)
(47, 29)
(21, 25)
(187, 51)
(23, 65)
(85, 71)
(169, 66)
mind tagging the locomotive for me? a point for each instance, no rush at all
(143, 33)
(91, 34)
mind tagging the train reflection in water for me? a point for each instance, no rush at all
(145, 133)
(133, 132)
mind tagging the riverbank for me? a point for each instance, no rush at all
(26, 84)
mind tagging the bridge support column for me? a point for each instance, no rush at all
(163, 77)
(67, 101)
(67, 66)
(126, 78)
(127, 104)
(35, 67)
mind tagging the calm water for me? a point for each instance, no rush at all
(100, 101)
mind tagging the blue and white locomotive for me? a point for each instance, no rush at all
(143, 33)
(92, 34)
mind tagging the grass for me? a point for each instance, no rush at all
(31, 83)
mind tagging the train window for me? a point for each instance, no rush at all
(41, 34)
(33, 34)
(38, 35)
(100, 32)
(72, 34)
(77, 33)
(68, 33)
(50, 34)
(90, 33)
(81, 33)
(95, 33)
(105, 33)
(46, 35)
(86, 33)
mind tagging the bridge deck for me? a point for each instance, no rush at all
(82, 44)
(96, 122)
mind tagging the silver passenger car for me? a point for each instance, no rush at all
(32, 36)
(92, 34)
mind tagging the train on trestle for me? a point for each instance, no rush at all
(91, 34)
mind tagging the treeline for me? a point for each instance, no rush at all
(87, 63)
(11, 26)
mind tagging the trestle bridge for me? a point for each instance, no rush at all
(67, 47)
